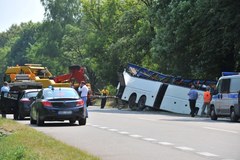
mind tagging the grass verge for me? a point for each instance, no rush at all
(19, 142)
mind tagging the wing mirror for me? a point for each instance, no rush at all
(32, 98)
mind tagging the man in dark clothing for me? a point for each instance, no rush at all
(104, 93)
(193, 96)
(4, 93)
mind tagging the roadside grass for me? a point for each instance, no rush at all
(19, 142)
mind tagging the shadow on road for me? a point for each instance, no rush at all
(200, 119)
(55, 124)
(175, 116)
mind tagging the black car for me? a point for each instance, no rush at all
(24, 102)
(10, 104)
(58, 104)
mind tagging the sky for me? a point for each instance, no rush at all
(18, 11)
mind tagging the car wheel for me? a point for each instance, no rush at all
(82, 121)
(131, 102)
(72, 121)
(39, 121)
(213, 114)
(141, 103)
(32, 121)
(233, 116)
(20, 116)
(15, 116)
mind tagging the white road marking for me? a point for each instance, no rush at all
(207, 154)
(123, 132)
(185, 148)
(149, 139)
(135, 136)
(94, 125)
(113, 130)
(223, 130)
(166, 143)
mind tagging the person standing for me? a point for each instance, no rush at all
(4, 93)
(193, 96)
(5, 89)
(207, 99)
(83, 89)
(104, 93)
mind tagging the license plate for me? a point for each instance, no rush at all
(64, 112)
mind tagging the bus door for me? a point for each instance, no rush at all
(121, 86)
(160, 96)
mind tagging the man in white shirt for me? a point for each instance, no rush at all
(5, 89)
(83, 89)
(4, 93)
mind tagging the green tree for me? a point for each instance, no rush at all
(27, 36)
(200, 32)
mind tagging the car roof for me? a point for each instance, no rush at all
(229, 77)
(59, 88)
(31, 90)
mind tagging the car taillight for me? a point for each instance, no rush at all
(80, 103)
(46, 104)
(24, 100)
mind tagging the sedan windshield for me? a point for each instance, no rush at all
(60, 93)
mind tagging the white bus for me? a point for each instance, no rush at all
(141, 88)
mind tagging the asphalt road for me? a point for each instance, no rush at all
(113, 134)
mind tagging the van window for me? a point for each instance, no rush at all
(235, 85)
(224, 86)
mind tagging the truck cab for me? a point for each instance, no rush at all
(225, 99)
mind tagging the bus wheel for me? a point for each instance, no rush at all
(131, 102)
(233, 115)
(213, 114)
(141, 103)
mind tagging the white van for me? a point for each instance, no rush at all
(226, 99)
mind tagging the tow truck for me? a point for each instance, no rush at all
(140, 87)
(33, 72)
(75, 76)
(35, 76)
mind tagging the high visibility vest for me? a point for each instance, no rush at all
(207, 97)
(105, 92)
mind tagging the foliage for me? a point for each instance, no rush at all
(200, 32)
(189, 38)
